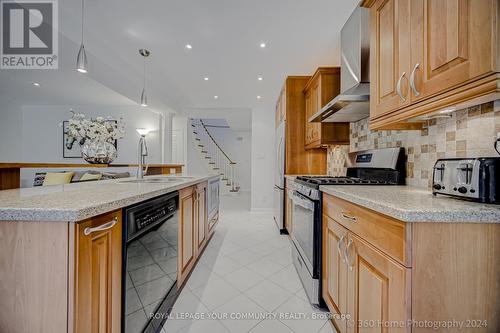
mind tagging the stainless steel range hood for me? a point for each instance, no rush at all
(353, 102)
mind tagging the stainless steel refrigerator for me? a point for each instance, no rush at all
(279, 178)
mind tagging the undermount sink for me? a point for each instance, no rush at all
(153, 180)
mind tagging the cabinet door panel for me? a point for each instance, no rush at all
(378, 289)
(202, 215)
(390, 45)
(334, 270)
(187, 229)
(98, 275)
(451, 42)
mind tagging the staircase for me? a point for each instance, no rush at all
(217, 161)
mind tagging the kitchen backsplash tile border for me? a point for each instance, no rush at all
(469, 132)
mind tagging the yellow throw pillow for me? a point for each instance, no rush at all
(57, 178)
(90, 176)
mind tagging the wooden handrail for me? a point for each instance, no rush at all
(215, 142)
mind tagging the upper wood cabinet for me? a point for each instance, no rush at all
(427, 55)
(98, 275)
(323, 86)
(291, 108)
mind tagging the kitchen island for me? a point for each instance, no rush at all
(401, 259)
(61, 249)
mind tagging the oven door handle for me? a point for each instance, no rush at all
(302, 201)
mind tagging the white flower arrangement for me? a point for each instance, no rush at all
(81, 129)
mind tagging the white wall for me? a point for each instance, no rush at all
(238, 146)
(42, 136)
(10, 130)
(263, 138)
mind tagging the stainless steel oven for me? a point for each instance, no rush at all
(306, 238)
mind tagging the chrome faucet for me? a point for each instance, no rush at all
(142, 153)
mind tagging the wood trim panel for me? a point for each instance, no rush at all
(187, 235)
(390, 235)
(480, 91)
(98, 276)
(33, 277)
(456, 275)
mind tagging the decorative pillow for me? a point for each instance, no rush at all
(115, 175)
(79, 174)
(90, 176)
(57, 178)
(39, 178)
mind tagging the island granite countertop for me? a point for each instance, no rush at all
(411, 204)
(79, 201)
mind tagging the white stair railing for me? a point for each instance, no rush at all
(217, 160)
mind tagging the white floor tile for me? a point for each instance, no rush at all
(328, 328)
(243, 278)
(186, 303)
(288, 279)
(200, 276)
(215, 293)
(245, 256)
(204, 326)
(271, 326)
(265, 267)
(268, 295)
(237, 307)
(302, 325)
(224, 265)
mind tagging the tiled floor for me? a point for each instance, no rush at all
(246, 268)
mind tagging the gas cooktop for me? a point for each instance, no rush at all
(316, 181)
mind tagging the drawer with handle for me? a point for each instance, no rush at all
(387, 234)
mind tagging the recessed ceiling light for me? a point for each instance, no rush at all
(36, 84)
(206, 78)
(189, 46)
(260, 78)
(262, 45)
(259, 97)
(216, 97)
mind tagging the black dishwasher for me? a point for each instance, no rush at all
(149, 263)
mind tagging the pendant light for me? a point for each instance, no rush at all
(81, 60)
(144, 98)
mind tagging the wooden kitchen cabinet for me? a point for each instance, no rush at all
(378, 289)
(334, 275)
(322, 87)
(187, 233)
(98, 275)
(290, 108)
(201, 215)
(445, 52)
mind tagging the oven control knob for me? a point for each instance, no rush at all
(437, 187)
(462, 189)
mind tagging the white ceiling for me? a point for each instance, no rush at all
(300, 36)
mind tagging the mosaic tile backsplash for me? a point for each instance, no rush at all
(469, 132)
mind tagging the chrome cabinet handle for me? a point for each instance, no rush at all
(348, 217)
(412, 80)
(347, 254)
(342, 255)
(398, 88)
(87, 231)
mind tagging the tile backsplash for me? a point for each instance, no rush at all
(469, 132)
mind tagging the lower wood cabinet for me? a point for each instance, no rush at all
(362, 287)
(201, 216)
(187, 228)
(98, 275)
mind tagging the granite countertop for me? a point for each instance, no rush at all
(410, 204)
(79, 201)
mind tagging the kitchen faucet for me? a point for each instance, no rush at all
(142, 153)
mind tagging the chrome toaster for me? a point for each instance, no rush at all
(476, 179)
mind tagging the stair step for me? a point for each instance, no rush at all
(201, 146)
(233, 191)
(193, 125)
(223, 178)
(216, 168)
(204, 151)
(208, 157)
(211, 163)
(197, 139)
(195, 132)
